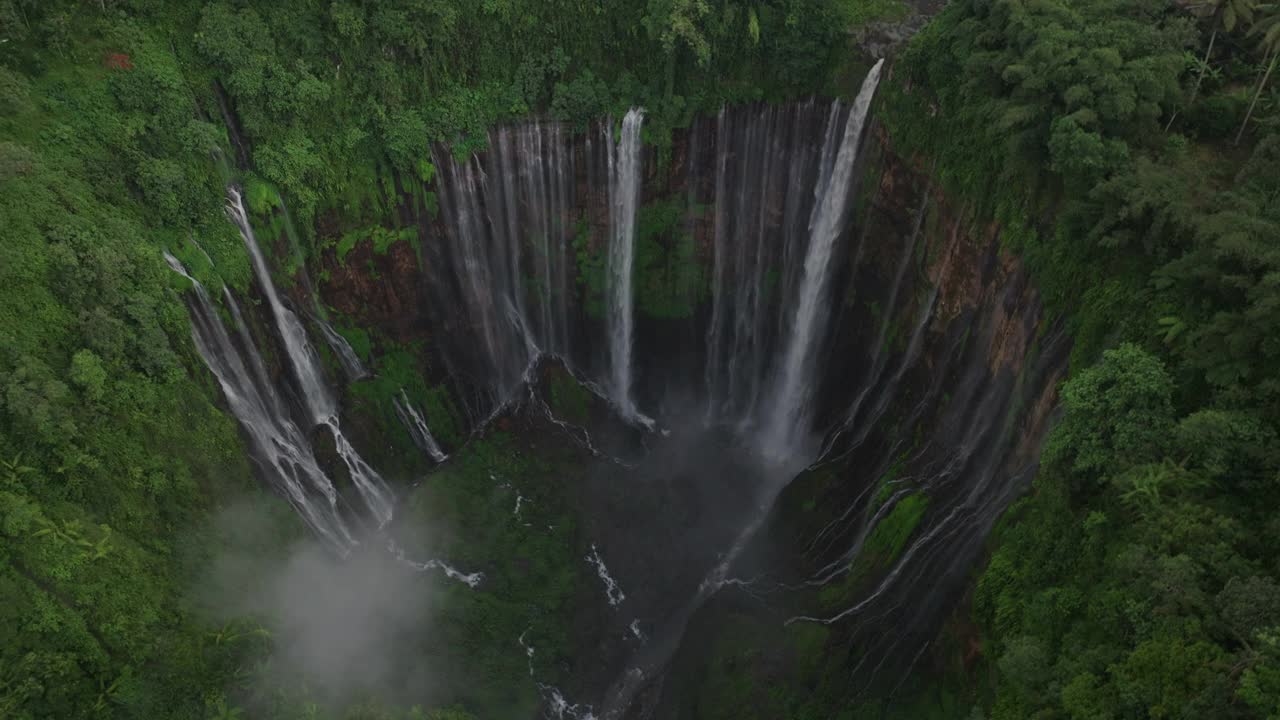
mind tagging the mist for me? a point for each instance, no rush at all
(342, 627)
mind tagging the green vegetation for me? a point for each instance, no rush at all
(1128, 149)
(1139, 580)
(330, 91)
(569, 400)
(398, 369)
(884, 543)
(379, 237)
(856, 13)
(531, 561)
(113, 454)
(670, 280)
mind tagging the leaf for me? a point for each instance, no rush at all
(1173, 327)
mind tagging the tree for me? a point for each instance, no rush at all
(1225, 15)
(1118, 413)
(1268, 27)
(1249, 605)
(87, 373)
(678, 20)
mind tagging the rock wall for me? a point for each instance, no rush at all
(939, 385)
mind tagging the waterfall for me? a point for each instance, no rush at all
(787, 423)
(302, 357)
(505, 263)
(624, 198)
(372, 488)
(280, 448)
(485, 282)
(351, 364)
(765, 169)
(506, 271)
(417, 427)
(320, 403)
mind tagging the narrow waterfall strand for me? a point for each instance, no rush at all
(624, 197)
(787, 422)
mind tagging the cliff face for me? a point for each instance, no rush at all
(913, 267)
(940, 388)
(936, 379)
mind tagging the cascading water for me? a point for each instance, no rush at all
(320, 402)
(624, 199)
(505, 266)
(765, 168)
(417, 427)
(351, 364)
(279, 446)
(787, 424)
(504, 262)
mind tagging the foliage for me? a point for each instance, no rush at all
(568, 399)
(883, 544)
(670, 281)
(1118, 410)
(399, 370)
(499, 507)
(326, 90)
(1138, 579)
(112, 453)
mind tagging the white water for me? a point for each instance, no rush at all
(768, 173)
(316, 396)
(416, 424)
(503, 267)
(624, 198)
(611, 589)
(471, 580)
(761, 325)
(279, 446)
(372, 488)
(558, 708)
(302, 357)
(281, 449)
(787, 423)
(350, 361)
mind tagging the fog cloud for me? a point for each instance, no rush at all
(343, 627)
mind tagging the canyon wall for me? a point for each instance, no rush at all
(933, 370)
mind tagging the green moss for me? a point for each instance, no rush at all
(669, 278)
(531, 562)
(398, 368)
(885, 485)
(380, 237)
(359, 341)
(569, 399)
(260, 197)
(883, 545)
(891, 534)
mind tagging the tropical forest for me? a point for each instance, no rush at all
(640, 359)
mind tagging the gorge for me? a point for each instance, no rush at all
(804, 359)
(764, 196)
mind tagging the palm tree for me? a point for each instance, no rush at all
(1225, 14)
(1268, 27)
